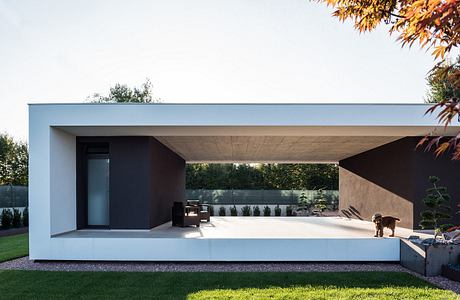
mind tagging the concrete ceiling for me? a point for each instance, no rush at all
(247, 132)
(271, 148)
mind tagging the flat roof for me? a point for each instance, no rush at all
(233, 132)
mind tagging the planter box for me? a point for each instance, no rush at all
(451, 273)
(427, 259)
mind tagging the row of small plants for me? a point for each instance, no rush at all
(14, 218)
(253, 211)
(320, 203)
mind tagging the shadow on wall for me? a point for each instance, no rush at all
(352, 212)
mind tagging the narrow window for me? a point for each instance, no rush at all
(98, 191)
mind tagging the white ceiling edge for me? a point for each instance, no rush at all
(397, 131)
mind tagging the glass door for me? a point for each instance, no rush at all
(98, 190)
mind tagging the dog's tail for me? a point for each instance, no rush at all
(398, 220)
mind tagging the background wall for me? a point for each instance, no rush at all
(392, 179)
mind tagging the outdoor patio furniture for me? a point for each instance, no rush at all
(185, 215)
(203, 208)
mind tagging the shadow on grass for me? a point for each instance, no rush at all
(176, 285)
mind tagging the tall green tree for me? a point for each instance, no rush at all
(14, 161)
(121, 93)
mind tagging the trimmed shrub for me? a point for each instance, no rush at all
(25, 217)
(289, 211)
(246, 210)
(267, 211)
(222, 211)
(256, 211)
(7, 218)
(437, 201)
(233, 211)
(277, 211)
(320, 201)
(16, 218)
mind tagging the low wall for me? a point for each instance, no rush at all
(427, 260)
(240, 213)
(220, 249)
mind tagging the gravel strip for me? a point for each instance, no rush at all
(25, 264)
(13, 231)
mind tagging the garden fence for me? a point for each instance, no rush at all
(17, 196)
(251, 197)
(13, 196)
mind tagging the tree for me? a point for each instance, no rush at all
(320, 201)
(14, 161)
(121, 93)
(437, 201)
(441, 84)
(304, 204)
(444, 83)
(261, 176)
(433, 24)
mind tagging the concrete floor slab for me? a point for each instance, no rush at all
(254, 228)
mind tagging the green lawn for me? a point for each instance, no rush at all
(113, 285)
(14, 246)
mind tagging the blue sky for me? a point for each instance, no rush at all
(197, 51)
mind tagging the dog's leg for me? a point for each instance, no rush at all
(392, 231)
(376, 231)
(381, 232)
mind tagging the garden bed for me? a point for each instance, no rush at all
(13, 231)
(427, 259)
(451, 271)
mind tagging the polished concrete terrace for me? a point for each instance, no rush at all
(234, 239)
(253, 228)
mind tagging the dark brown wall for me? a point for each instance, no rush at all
(426, 164)
(395, 168)
(145, 178)
(167, 182)
(129, 183)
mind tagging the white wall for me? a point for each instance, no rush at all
(63, 186)
(224, 249)
(39, 184)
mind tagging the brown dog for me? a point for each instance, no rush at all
(381, 222)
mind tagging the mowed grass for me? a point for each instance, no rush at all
(176, 285)
(14, 246)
